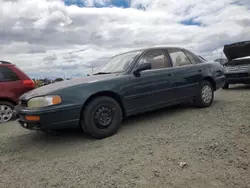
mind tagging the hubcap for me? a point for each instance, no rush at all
(103, 116)
(5, 113)
(207, 94)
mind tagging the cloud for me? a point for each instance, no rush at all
(71, 37)
(21, 48)
(51, 57)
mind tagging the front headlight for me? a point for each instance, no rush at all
(38, 102)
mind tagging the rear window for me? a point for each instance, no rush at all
(7, 75)
(191, 57)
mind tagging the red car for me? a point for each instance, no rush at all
(13, 83)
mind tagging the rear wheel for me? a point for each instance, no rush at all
(205, 96)
(102, 117)
(226, 86)
(6, 111)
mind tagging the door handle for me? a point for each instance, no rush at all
(200, 70)
(170, 74)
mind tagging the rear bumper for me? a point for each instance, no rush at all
(56, 118)
(220, 81)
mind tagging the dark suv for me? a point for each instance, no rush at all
(237, 69)
(13, 83)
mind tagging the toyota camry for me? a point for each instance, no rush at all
(129, 83)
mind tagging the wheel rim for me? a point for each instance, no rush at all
(103, 117)
(5, 113)
(207, 94)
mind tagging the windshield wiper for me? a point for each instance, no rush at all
(102, 73)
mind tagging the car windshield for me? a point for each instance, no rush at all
(119, 63)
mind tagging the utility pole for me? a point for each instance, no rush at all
(221, 58)
(92, 69)
(64, 75)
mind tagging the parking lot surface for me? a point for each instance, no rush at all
(176, 147)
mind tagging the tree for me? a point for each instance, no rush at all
(58, 80)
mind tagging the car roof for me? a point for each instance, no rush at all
(151, 48)
(159, 47)
(5, 63)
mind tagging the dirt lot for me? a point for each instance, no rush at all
(178, 147)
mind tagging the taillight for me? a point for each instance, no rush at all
(29, 83)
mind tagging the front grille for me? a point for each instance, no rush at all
(237, 68)
(237, 75)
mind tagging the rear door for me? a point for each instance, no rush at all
(153, 87)
(187, 73)
(10, 83)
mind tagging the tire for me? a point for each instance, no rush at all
(226, 86)
(4, 105)
(201, 101)
(102, 117)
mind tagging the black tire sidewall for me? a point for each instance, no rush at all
(88, 121)
(226, 86)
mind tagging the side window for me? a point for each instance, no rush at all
(178, 57)
(7, 74)
(157, 58)
(191, 57)
(1, 75)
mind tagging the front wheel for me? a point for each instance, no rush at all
(205, 95)
(102, 117)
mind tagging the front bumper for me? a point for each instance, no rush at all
(238, 78)
(57, 117)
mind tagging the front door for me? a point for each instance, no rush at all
(153, 87)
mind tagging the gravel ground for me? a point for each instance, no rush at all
(177, 147)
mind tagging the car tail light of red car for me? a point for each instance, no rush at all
(29, 83)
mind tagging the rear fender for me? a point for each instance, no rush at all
(4, 98)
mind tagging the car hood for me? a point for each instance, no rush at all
(47, 89)
(237, 50)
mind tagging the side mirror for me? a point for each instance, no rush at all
(141, 67)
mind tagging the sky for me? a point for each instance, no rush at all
(56, 38)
